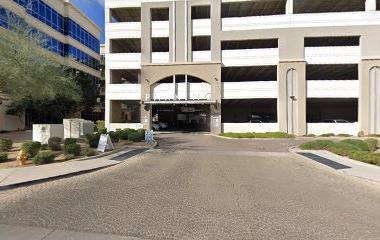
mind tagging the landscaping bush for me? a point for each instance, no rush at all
(124, 133)
(317, 145)
(31, 148)
(100, 127)
(372, 144)
(114, 136)
(93, 139)
(72, 149)
(44, 157)
(327, 135)
(360, 144)
(344, 135)
(258, 135)
(70, 141)
(54, 143)
(5, 144)
(88, 152)
(135, 137)
(3, 157)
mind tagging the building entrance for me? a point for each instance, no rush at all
(181, 117)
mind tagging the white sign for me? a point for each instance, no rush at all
(149, 137)
(105, 143)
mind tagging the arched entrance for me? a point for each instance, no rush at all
(374, 86)
(181, 103)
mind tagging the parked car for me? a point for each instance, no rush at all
(159, 126)
(335, 121)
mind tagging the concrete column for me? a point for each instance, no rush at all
(216, 109)
(181, 31)
(298, 98)
(146, 34)
(292, 56)
(365, 95)
(108, 111)
(107, 15)
(370, 5)
(146, 110)
(216, 29)
(289, 7)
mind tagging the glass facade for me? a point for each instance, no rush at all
(43, 12)
(49, 42)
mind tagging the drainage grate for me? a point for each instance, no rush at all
(129, 154)
(325, 161)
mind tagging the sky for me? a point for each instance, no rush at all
(94, 9)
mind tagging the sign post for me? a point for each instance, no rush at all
(105, 143)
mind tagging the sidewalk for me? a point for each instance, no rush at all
(352, 167)
(14, 177)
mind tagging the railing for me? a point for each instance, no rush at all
(333, 55)
(160, 57)
(123, 91)
(181, 91)
(301, 20)
(123, 60)
(332, 88)
(336, 128)
(250, 90)
(250, 57)
(123, 30)
(250, 127)
(160, 29)
(201, 56)
(201, 27)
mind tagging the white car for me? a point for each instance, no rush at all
(159, 125)
(335, 121)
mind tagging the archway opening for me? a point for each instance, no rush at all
(181, 103)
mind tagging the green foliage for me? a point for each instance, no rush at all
(54, 143)
(3, 157)
(136, 136)
(93, 140)
(88, 152)
(344, 135)
(372, 144)
(317, 145)
(353, 148)
(100, 127)
(359, 144)
(114, 136)
(70, 141)
(258, 135)
(25, 67)
(124, 133)
(73, 149)
(327, 135)
(31, 148)
(5, 144)
(44, 157)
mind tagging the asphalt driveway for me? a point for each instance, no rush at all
(203, 187)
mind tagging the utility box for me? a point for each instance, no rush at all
(77, 128)
(42, 132)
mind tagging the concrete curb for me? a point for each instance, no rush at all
(357, 169)
(72, 174)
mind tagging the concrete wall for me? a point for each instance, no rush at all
(10, 122)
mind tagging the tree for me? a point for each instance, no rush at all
(28, 71)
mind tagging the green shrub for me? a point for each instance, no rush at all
(31, 148)
(135, 137)
(93, 139)
(348, 146)
(114, 136)
(5, 144)
(100, 127)
(317, 145)
(3, 157)
(360, 144)
(88, 152)
(73, 149)
(327, 135)
(70, 141)
(44, 157)
(372, 144)
(310, 135)
(69, 156)
(258, 135)
(124, 133)
(344, 135)
(54, 143)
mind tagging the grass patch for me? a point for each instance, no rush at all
(360, 150)
(258, 135)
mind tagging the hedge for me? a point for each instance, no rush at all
(3, 157)
(31, 148)
(54, 143)
(44, 157)
(5, 144)
(72, 149)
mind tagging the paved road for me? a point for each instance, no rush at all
(203, 187)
